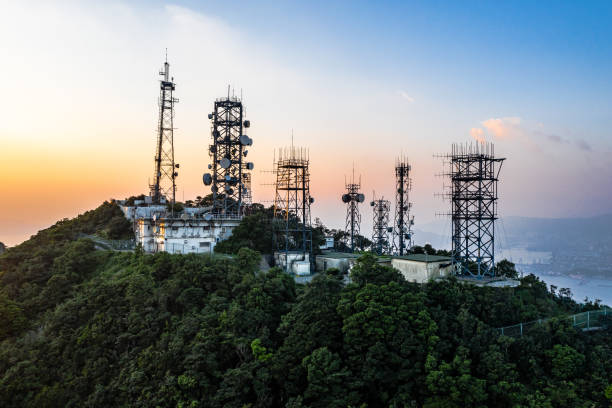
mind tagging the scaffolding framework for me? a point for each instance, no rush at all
(473, 171)
(403, 222)
(164, 178)
(292, 200)
(352, 198)
(230, 178)
(380, 234)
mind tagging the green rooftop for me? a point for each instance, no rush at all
(424, 258)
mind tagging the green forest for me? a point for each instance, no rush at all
(82, 327)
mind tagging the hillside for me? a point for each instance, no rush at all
(80, 327)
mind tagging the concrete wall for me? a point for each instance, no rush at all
(181, 236)
(324, 263)
(299, 263)
(421, 272)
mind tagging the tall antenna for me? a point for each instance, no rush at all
(292, 201)
(229, 179)
(403, 222)
(352, 198)
(473, 171)
(164, 185)
(381, 229)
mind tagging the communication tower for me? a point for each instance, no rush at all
(164, 184)
(352, 198)
(292, 200)
(380, 234)
(229, 176)
(473, 170)
(403, 222)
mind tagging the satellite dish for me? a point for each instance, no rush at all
(372, 203)
(214, 189)
(311, 200)
(177, 165)
(208, 216)
(212, 148)
(225, 162)
(210, 116)
(229, 190)
(247, 123)
(216, 133)
(346, 198)
(245, 153)
(250, 166)
(228, 177)
(245, 140)
(360, 198)
(389, 229)
(209, 166)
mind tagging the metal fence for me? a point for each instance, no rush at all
(591, 320)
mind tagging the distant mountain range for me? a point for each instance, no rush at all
(536, 234)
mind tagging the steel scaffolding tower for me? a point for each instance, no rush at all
(164, 184)
(352, 198)
(473, 172)
(403, 222)
(229, 171)
(380, 234)
(292, 200)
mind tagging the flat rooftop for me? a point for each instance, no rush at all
(424, 258)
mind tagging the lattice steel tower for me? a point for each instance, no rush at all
(352, 198)
(380, 234)
(229, 171)
(164, 184)
(473, 172)
(403, 222)
(292, 200)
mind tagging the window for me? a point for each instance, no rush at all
(204, 244)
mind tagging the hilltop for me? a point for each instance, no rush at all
(89, 328)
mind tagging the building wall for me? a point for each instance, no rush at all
(299, 263)
(324, 263)
(421, 272)
(182, 236)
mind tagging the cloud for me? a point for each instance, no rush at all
(503, 128)
(405, 96)
(583, 145)
(478, 135)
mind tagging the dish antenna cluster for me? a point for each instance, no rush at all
(230, 177)
(164, 184)
(352, 198)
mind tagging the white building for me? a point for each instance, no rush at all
(195, 230)
(420, 268)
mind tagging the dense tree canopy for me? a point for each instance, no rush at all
(87, 328)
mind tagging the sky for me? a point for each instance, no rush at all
(357, 83)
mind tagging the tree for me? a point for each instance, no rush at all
(506, 269)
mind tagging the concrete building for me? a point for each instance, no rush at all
(342, 261)
(420, 268)
(194, 230)
(295, 262)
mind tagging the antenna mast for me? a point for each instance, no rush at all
(164, 185)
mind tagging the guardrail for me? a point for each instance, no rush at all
(591, 320)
